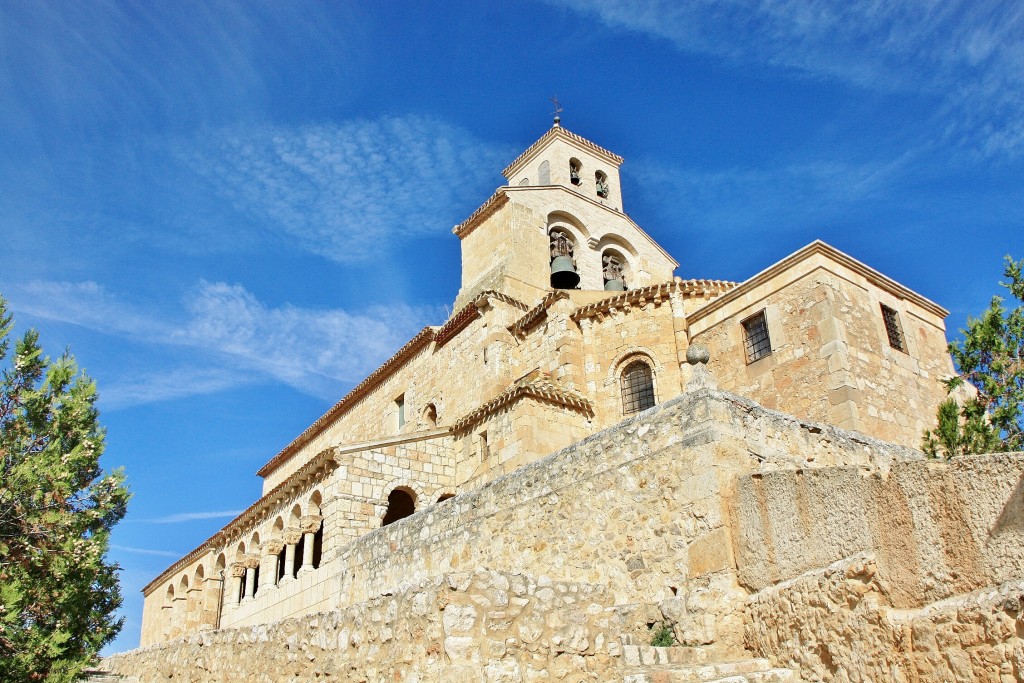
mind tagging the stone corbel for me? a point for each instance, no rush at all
(310, 523)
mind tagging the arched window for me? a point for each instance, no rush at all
(601, 180)
(430, 415)
(637, 384)
(574, 171)
(401, 504)
(545, 173)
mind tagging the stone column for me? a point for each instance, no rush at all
(250, 562)
(237, 572)
(268, 566)
(291, 539)
(309, 525)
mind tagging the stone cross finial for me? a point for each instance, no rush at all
(698, 356)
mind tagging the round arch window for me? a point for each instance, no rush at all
(637, 384)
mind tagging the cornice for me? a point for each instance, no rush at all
(540, 388)
(532, 317)
(654, 293)
(486, 210)
(557, 131)
(819, 248)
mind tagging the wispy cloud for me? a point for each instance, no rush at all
(352, 190)
(966, 53)
(738, 200)
(236, 339)
(145, 551)
(190, 517)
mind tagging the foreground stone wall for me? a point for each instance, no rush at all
(838, 624)
(938, 529)
(480, 626)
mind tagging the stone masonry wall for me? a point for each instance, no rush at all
(938, 529)
(838, 624)
(478, 626)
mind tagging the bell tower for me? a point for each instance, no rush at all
(558, 224)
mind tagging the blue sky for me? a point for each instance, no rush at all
(232, 212)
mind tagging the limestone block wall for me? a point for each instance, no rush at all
(830, 356)
(472, 626)
(838, 624)
(937, 529)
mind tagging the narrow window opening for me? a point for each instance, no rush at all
(755, 337)
(280, 563)
(400, 506)
(400, 406)
(637, 385)
(485, 451)
(602, 183)
(574, 171)
(893, 329)
(545, 173)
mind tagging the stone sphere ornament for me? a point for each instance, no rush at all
(698, 353)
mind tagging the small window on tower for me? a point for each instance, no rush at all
(755, 337)
(400, 408)
(893, 329)
(545, 173)
(602, 184)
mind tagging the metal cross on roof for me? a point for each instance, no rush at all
(558, 108)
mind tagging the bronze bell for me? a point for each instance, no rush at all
(614, 285)
(563, 273)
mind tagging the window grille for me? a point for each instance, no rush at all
(637, 388)
(755, 337)
(893, 329)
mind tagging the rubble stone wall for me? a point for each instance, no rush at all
(479, 626)
(838, 624)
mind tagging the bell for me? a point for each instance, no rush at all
(563, 273)
(614, 286)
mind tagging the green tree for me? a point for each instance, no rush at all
(990, 358)
(58, 594)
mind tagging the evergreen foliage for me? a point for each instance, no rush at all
(57, 592)
(990, 358)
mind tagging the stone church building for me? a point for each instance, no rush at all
(569, 321)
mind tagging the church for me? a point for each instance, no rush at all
(570, 320)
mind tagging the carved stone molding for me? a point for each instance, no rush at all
(238, 570)
(310, 523)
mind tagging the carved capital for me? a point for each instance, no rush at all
(251, 561)
(238, 570)
(310, 523)
(292, 536)
(273, 547)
